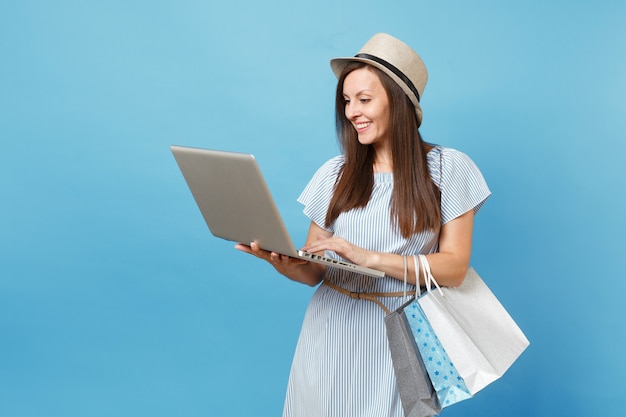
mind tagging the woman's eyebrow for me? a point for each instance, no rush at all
(366, 91)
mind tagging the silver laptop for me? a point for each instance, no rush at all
(237, 205)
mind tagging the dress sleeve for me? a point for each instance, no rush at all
(319, 191)
(462, 185)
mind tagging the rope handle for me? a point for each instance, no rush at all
(405, 274)
(420, 263)
(429, 280)
(418, 289)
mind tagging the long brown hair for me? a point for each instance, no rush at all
(415, 202)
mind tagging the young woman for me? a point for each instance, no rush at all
(389, 195)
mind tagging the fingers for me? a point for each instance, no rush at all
(283, 260)
(258, 252)
(243, 248)
(335, 244)
(273, 258)
(340, 246)
(253, 249)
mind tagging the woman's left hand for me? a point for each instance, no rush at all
(341, 247)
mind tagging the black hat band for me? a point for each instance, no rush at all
(393, 69)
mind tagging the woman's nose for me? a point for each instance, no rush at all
(352, 110)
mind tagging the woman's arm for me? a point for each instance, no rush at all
(448, 266)
(296, 269)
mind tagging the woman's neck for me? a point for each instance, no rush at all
(383, 162)
(383, 165)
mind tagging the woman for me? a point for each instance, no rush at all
(388, 196)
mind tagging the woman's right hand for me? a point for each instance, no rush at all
(296, 269)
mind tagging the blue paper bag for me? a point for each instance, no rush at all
(448, 384)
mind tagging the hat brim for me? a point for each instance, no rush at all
(338, 64)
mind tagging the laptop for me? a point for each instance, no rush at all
(236, 203)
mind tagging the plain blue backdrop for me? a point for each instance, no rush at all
(115, 300)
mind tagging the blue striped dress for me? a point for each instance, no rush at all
(342, 366)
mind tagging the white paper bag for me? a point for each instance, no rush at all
(479, 335)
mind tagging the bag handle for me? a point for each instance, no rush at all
(418, 289)
(429, 280)
(405, 274)
(420, 263)
(417, 276)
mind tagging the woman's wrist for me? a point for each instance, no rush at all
(372, 260)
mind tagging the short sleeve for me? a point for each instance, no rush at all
(463, 187)
(319, 191)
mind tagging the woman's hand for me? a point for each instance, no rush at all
(282, 263)
(341, 247)
(294, 268)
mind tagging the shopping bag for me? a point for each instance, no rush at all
(478, 334)
(446, 381)
(417, 395)
(449, 386)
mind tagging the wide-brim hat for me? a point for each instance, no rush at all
(396, 59)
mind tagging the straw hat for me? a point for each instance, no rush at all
(396, 59)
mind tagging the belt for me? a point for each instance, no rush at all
(369, 296)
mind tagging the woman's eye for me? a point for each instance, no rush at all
(365, 100)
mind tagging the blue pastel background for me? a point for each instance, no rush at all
(115, 300)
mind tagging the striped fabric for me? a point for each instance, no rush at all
(341, 366)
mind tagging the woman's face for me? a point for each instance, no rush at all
(367, 106)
